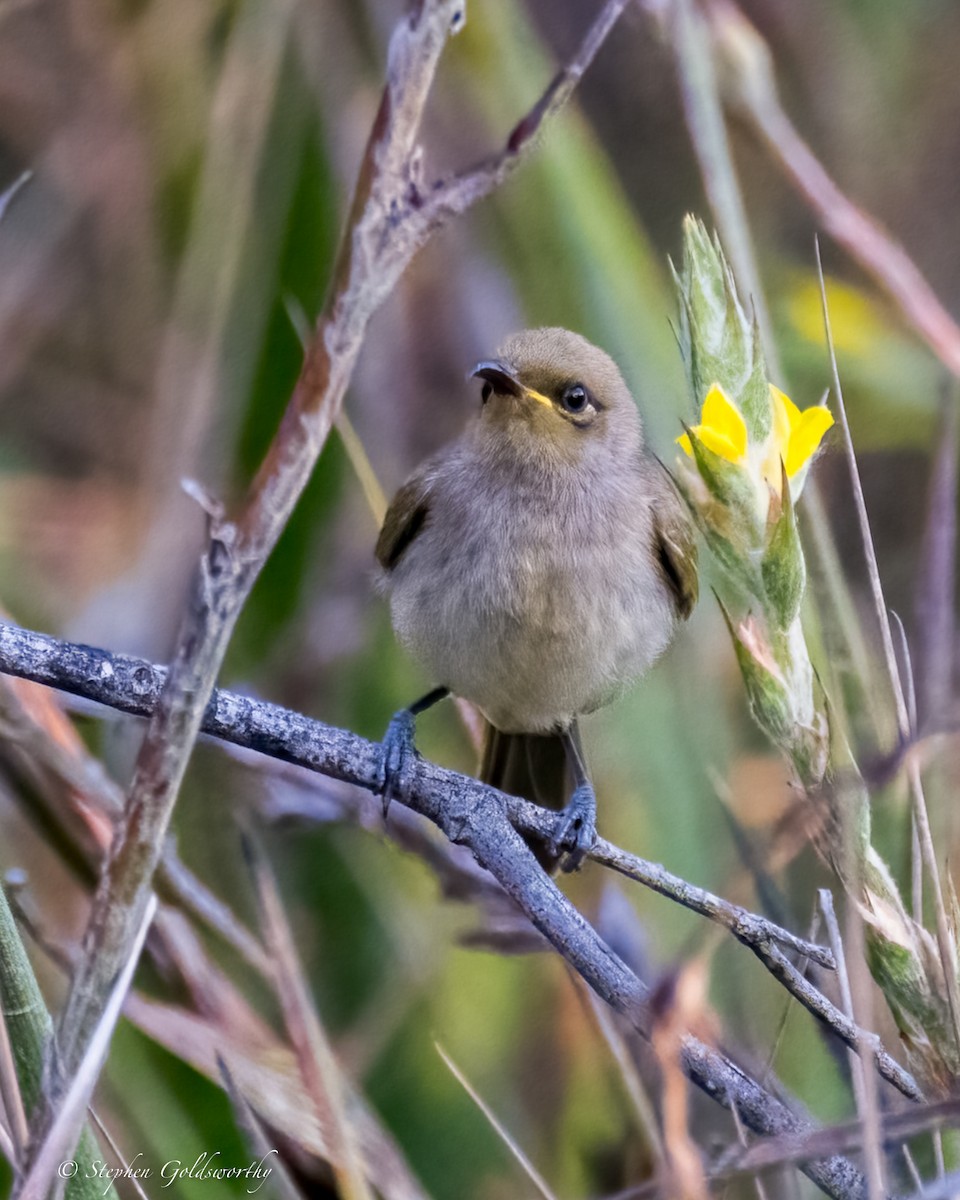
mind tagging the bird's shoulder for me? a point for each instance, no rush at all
(674, 540)
(404, 519)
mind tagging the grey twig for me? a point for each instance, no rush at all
(839, 1139)
(747, 927)
(469, 813)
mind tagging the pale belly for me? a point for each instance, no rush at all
(533, 634)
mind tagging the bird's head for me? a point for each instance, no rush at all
(553, 393)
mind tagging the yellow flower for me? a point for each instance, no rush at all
(721, 429)
(796, 436)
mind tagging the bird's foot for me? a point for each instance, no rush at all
(576, 829)
(398, 750)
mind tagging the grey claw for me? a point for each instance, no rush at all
(398, 747)
(575, 832)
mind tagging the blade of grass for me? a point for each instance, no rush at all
(356, 453)
(130, 1174)
(927, 851)
(526, 1165)
(13, 1108)
(44, 1177)
(252, 1126)
(864, 1080)
(936, 589)
(31, 1031)
(318, 1066)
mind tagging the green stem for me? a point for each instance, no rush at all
(30, 1030)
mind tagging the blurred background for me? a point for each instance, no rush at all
(190, 169)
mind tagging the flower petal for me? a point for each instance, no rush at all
(719, 443)
(683, 441)
(806, 436)
(723, 419)
(793, 413)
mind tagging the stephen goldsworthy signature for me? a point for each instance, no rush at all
(208, 1165)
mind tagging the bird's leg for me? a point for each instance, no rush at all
(576, 829)
(398, 744)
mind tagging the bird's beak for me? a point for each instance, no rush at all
(504, 381)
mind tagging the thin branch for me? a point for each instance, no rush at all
(133, 685)
(845, 1138)
(467, 811)
(389, 222)
(748, 928)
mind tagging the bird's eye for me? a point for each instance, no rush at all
(575, 399)
(486, 392)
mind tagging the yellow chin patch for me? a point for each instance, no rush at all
(538, 396)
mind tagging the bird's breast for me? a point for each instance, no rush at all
(536, 603)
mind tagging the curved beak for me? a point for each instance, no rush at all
(503, 379)
(500, 377)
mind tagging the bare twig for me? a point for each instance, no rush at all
(748, 928)
(845, 1138)
(390, 220)
(467, 811)
(133, 685)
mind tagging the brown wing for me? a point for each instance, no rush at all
(675, 547)
(406, 516)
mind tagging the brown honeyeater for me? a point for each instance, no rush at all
(537, 566)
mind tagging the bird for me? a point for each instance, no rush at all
(537, 566)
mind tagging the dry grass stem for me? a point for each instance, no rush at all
(319, 1069)
(864, 1081)
(928, 854)
(531, 1172)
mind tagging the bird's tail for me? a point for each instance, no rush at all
(533, 766)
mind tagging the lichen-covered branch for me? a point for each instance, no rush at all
(475, 815)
